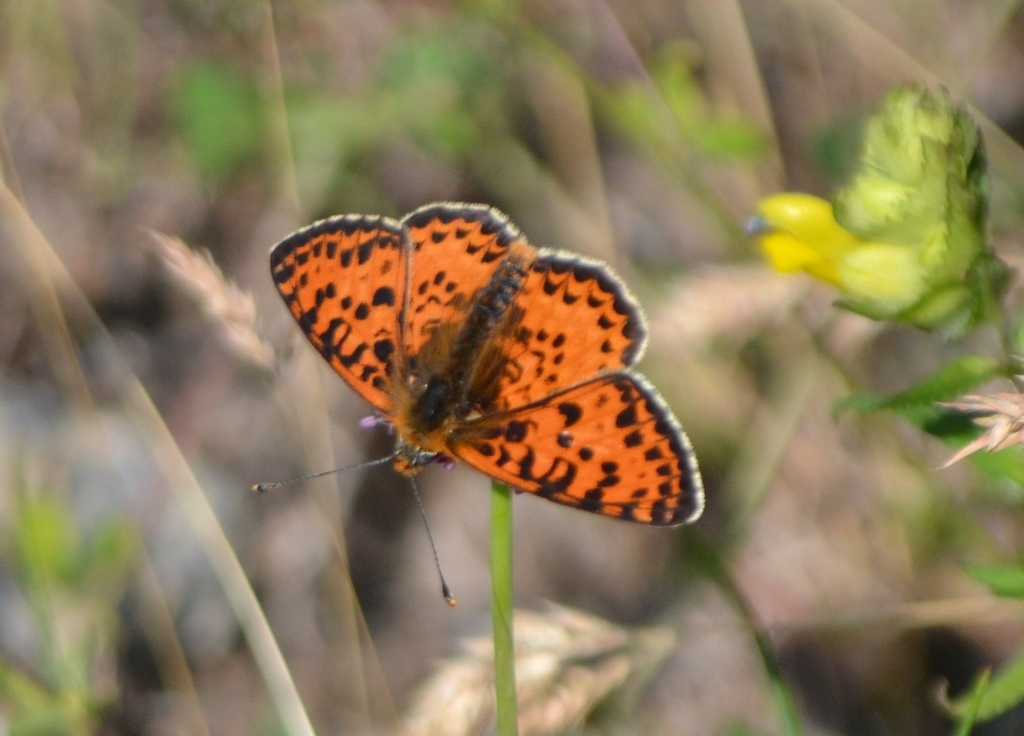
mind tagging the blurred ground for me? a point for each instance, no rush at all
(639, 133)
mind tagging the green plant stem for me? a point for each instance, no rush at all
(501, 609)
(717, 570)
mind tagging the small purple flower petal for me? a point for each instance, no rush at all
(375, 420)
(446, 462)
(369, 422)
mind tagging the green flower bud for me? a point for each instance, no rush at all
(909, 239)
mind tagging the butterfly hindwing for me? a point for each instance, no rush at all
(571, 320)
(609, 446)
(344, 281)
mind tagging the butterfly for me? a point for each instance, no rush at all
(478, 347)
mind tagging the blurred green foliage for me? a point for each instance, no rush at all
(72, 582)
(917, 402)
(219, 116)
(673, 118)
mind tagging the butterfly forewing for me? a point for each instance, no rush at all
(571, 320)
(609, 446)
(457, 249)
(344, 279)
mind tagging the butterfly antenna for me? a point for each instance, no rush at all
(264, 487)
(445, 590)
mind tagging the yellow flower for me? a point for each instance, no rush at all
(907, 238)
(799, 232)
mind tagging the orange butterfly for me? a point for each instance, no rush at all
(476, 346)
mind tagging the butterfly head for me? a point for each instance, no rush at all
(409, 459)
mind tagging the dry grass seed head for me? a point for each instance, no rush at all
(567, 662)
(222, 301)
(1003, 416)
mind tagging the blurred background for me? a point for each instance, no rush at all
(144, 388)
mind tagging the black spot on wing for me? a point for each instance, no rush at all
(627, 417)
(571, 412)
(516, 431)
(384, 296)
(383, 350)
(633, 439)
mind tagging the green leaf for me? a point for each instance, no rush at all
(735, 139)
(47, 542)
(1006, 581)
(1005, 464)
(948, 382)
(107, 557)
(639, 112)
(1004, 691)
(955, 427)
(836, 148)
(674, 79)
(1018, 334)
(436, 86)
(974, 703)
(633, 109)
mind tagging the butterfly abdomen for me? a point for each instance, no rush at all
(489, 307)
